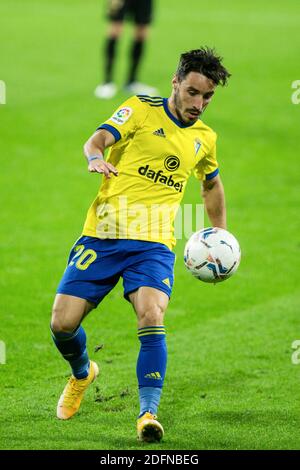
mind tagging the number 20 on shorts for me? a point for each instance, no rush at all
(84, 257)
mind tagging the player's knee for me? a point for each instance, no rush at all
(151, 316)
(60, 322)
(115, 30)
(141, 32)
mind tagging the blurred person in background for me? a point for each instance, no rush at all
(141, 13)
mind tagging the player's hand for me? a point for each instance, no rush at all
(101, 166)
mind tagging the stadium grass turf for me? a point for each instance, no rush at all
(230, 382)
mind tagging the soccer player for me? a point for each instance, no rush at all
(154, 145)
(141, 12)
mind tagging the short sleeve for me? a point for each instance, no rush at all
(126, 119)
(208, 166)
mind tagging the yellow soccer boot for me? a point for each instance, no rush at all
(72, 395)
(149, 429)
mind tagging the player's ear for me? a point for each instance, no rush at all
(175, 82)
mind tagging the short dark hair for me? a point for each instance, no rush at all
(204, 61)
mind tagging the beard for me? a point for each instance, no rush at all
(178, 106)
(180, 110)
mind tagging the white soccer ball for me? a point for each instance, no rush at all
(212, 254)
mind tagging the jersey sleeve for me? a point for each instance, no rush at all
(208, 166)
(126, 119)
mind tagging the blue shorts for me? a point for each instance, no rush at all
(95, 266)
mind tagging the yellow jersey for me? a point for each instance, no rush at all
(155, 154)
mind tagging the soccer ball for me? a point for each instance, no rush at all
(212, 254)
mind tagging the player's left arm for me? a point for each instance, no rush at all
(214, 200)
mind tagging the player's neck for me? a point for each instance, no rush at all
(172, 107)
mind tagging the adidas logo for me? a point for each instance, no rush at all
(166, 281)
(159, 132)
(153, 375)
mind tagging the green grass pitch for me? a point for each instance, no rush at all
(230, 382)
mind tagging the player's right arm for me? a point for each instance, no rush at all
(94, 152)
(123, 124)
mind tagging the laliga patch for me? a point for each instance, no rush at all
(121, 116)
